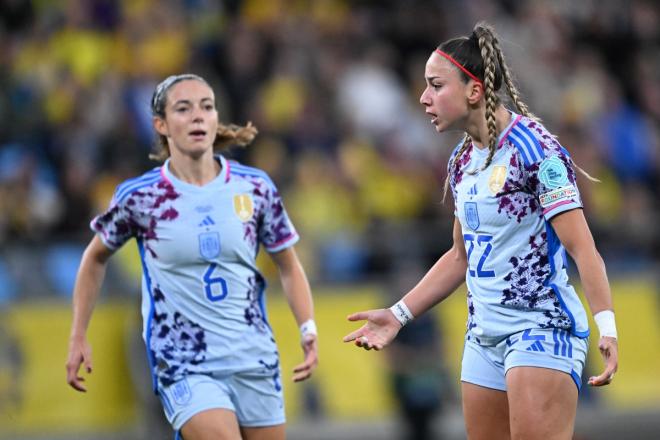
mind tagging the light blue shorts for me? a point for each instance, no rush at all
(255, 397)
(546, 348)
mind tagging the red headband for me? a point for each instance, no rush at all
(457, 64)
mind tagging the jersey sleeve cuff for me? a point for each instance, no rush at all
(286, 242)
(103, 236)
(559, 207)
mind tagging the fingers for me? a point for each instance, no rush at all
(77, 385)
(365, 343)
(88, 364)
(359, 316)
(608, 348)
(72, 370)
(352, 336)
(604, 379)
(72, 377)
(304, 370)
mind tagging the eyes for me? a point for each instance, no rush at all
(207, 107)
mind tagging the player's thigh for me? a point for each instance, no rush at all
(277, 432)
(542, 403)
(486, 412)
(212, 424)
(483, 388)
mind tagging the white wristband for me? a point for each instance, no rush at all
(402, 313)
(605, 322)
(308, 328)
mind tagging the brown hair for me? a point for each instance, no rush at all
(480, 53)
(227, 135)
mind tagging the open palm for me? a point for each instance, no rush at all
(380, 329)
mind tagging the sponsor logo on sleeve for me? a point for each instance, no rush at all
(553, 173)
(558, 195)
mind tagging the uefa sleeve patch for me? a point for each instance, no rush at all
(558, 195)
(553, 173)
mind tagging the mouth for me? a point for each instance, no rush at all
(197, 134)
(434, 118)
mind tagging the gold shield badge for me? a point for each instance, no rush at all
(497, 178)
(243, 206)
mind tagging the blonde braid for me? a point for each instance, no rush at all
(488, 56)
(459, 153)
(515, 97)
(510, 86)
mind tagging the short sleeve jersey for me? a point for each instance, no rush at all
(203, 299)
(516, 276)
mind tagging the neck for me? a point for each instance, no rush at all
(194, 170)
(478, 128)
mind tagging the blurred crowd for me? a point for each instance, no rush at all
(333, 87)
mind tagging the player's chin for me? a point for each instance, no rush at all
(439, 127)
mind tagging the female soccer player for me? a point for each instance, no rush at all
(517, 209)
(199, 220)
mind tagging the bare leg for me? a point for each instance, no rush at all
(277, 432)
(213, 424)
(486, 412)
(542, 403)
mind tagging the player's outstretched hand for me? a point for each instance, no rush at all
(610, 351)
(380, 329)
(310, 348)
(79, 353)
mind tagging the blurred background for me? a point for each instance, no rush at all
(333, 87)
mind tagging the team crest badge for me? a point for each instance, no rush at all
(472, 215)
(243, 207)
(209, 245)
(181, 393)
(497, 178)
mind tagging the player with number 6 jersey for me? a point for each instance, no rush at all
(199, 221)
(203, 297)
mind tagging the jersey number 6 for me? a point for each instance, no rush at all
(483, 242)
(214, 284)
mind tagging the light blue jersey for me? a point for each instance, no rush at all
(516, 275)
(203, 297)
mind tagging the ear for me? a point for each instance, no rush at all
(475, 91)
(160, 125)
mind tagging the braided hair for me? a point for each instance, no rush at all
(480, 54)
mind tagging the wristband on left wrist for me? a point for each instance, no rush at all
(308, 328)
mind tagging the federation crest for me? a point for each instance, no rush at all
(497, 179)
(243, 207)
(209, 245)
(471, 215)
(181, 393)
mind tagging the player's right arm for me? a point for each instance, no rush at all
(446, 275)
(85, 293)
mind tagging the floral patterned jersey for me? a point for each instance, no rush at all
(203, 297)
(516, 276)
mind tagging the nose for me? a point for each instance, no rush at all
(424, 99)
(198, 114)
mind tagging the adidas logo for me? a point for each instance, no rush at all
(208, 221)
(473, 190)
(536, 346)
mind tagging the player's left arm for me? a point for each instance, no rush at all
(573, 232)
(299, 296)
